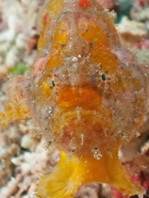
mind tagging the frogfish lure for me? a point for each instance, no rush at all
(87, 94)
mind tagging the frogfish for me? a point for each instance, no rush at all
(87, 94)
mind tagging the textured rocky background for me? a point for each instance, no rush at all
(23, 157)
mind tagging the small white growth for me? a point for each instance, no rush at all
(106, 10)
(74, 59)
(96, 153)
(50, 110)
(138, 134)
(28, 143)
(82, 139)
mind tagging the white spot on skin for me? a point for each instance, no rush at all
(96, 153)
(50, 110)
(74, 59)
(82, 139)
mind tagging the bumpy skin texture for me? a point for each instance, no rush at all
(87, 94)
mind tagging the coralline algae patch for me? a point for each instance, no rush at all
(86, 93)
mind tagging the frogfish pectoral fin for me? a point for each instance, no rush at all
(12, 113)
(15, 106)
(64, 181)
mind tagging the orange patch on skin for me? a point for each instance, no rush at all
(52, 8)
(46, 24)
(60, 38)
(61, 34)
(46, 90)
(106, 58)
(56, 59)
(84, 97)
(92, 32)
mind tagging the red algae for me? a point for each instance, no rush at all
(84, 3)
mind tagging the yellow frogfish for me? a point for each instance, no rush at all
(87, 94)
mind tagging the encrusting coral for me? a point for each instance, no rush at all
(87, 94)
